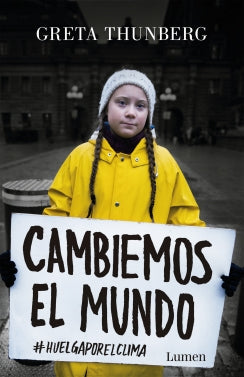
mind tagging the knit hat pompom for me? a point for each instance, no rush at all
(127, 77)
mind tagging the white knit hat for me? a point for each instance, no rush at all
(124, 77)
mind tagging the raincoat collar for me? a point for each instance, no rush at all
(138, 157)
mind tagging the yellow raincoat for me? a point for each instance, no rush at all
(122, 189)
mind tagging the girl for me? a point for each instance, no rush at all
(120, 174)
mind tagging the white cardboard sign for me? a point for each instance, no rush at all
(116, 291)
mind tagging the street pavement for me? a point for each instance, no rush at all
(216, 178)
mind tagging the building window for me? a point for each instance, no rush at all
(214, 86)
(47, 125)
(175, 85)
(81, 51)
(237, 117)
(4, 84)
(45, 48)
(174, 52)
(6, 120)
(45, 16)
(3, 48)
(240, 87)
(3, 17)
(46, 85)
(216, 27)
(25, 85)
(26, 120)
(218, 3)
(216, 51)
(24, 48)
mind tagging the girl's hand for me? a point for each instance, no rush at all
(7, 269)
(231, 282)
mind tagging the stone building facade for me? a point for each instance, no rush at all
(52, 87)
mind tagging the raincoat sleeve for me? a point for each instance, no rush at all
(60, 191)
(184, 209)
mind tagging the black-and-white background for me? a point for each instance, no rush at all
(50, 84)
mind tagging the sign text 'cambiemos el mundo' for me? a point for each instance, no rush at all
(116, 291)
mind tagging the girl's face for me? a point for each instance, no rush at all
(127, 111)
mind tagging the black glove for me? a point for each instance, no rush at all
(231, 282)
(7, 269)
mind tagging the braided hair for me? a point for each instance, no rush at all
(152, 164)
(97, 152)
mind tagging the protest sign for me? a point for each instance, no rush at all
(117, 292)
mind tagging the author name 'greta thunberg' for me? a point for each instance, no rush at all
(134, 33)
